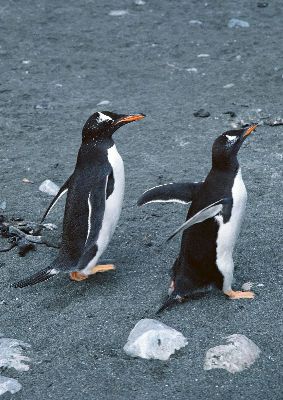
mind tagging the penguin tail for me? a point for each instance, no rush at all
(171, 300)
(38, 277)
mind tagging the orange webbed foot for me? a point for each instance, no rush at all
(235, 295)
(102, 268)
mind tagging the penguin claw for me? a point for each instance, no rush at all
(235, 295)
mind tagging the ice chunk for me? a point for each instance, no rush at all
(9, 385)
(11, 354)
(152, 339)
(49, 187)
(240, 353)
(238, 23)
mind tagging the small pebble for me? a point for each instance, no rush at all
(247, 286)
(238, 23)
(192, 69)
(228, 86)
(41, 106)
(26, 180)
(103, 103)
(201, 113)
(118, 13)
(195, 22)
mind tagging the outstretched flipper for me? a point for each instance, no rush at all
(223, 205)
(181, 192)
(62, 191)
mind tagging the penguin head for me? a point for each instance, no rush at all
(225, 148)
(102, 125)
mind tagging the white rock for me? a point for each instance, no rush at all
(103, 103)
(139, 2)
(118, 13)
(3, 205)
(26, 62)
(203, 55)
(151, 339)
(240, 353)
(238, 23)
(9, 385)
(49, 187)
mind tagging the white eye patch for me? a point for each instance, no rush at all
(231, 139)
(102, 117)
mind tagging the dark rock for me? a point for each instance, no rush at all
(201, 113)
(261, 4)
(231, 113)
(25, 246)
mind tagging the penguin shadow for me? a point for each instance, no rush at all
(72, 293)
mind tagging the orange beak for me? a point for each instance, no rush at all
(249, 130)
(129, 118)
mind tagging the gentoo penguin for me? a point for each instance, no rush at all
(212, 225)
(95, 192)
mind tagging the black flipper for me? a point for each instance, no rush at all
(223, 205)
(181, 192)
(56, 198)
(39, 276)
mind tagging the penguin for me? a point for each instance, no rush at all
(95, 192)
(212, 225)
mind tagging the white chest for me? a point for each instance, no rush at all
(113, 205)
(228, 232)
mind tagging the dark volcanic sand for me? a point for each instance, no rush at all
(79, 56)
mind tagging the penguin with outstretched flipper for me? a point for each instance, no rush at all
(213, 222)
(95, 192)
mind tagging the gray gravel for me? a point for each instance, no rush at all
(57, 62)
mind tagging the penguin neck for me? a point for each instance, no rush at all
(229, 163)
(93, 150)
